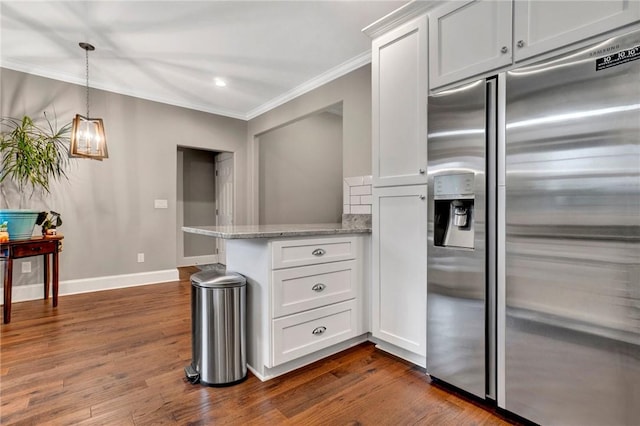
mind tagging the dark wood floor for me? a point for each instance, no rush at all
(117, 357)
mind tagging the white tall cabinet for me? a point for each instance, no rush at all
(399, 98)
(399, 275)
(399, 238)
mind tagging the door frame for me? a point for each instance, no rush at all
(213, 258)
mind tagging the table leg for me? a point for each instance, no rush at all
(55, 276)
(47, 277)
(8, 271)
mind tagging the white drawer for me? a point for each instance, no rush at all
(309, 287)
(301, 334)
(288, 253)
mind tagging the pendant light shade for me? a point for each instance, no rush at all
(88, 139)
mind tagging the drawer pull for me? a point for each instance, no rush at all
(318, 287)
(318, 252)
(318, 331)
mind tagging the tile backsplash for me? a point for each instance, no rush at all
(356, 195)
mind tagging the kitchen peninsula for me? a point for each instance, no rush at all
(307, 294)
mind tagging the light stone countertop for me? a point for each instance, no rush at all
(232, 232)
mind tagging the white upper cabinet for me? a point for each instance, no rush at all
(471, 38)
(399, 98)
(541, 26)
(466, 39)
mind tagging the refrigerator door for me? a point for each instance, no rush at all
(456, 273)
(572, 353)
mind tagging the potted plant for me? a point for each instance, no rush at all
(49, 221)
(32, 157)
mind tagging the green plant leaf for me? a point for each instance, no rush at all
(33, 156)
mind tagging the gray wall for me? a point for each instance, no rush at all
(199, 199)
(107, 206)
(300, 171)
(354, 91)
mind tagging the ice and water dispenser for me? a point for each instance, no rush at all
(453, 210)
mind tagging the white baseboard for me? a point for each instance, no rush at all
(23, 293)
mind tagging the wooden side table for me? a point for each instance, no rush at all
(35, 246)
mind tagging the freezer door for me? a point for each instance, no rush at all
(455, 274)
(572, 353)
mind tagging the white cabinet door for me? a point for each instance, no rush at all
(399, 98)
(467, 39)
(399, 299)
(541, 26)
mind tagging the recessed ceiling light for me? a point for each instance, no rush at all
(220, 82)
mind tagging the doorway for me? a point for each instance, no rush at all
(205, 197)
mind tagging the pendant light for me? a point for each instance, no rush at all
(87, 134)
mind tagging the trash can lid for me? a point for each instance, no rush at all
(217, 278)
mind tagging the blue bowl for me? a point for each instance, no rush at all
(20, 223)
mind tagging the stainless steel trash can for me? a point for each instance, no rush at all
(218, 328)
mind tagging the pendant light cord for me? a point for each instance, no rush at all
(87, 69)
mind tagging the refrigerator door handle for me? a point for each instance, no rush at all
(501, 240)
(491, 170)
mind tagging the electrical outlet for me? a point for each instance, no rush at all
(140, 257)
(161, 204)
(26, 267)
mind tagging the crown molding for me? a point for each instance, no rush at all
(42, 72)
(324, 78)
(399, 16)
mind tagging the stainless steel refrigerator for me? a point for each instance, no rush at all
(534, 237)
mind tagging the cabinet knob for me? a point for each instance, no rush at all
(318, 287)
(421, 171)
(520, 43)
(504, 49)
(422, 197)
(318, 252)
(318, 331)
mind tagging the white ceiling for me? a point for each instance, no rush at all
(171, 51)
